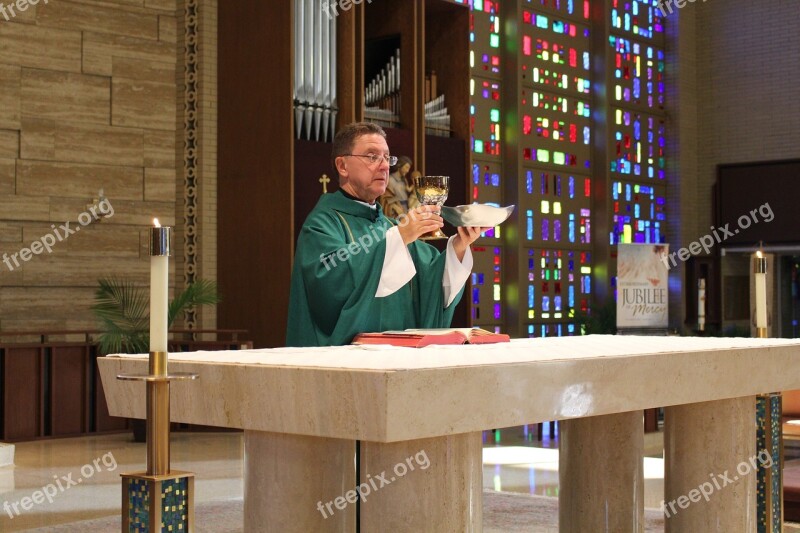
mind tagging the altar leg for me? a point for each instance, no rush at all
(423, 485)
(709, 472)
(292, 482)
(601, 474)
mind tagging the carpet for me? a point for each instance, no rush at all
(510, 512)
(503, 512)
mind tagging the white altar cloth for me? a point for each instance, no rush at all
(379, 357)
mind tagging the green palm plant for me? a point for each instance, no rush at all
(123, 310)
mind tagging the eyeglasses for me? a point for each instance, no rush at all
(375, 158)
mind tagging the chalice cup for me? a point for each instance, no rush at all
(432, 190)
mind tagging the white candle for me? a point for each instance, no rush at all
(761, 296)
(701, 304)
(159, 293)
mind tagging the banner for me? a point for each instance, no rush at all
(642, 293)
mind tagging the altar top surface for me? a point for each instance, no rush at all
(392, 358)
(391, 394)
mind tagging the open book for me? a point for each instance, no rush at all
(418, 338)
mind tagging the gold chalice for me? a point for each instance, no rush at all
(432, 190)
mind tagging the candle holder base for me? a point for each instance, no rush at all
(769, 481)
(157, 503)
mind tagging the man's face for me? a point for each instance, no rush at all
(358, 175)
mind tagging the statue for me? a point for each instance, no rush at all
(400, 196)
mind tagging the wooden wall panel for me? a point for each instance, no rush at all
(312, 160)
(447, 54)
(255, 166)
(22, 393)
(69, 390)
(102, 420)
(406, 19)
(350, 60)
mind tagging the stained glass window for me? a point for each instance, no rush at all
(558, 287)
(639, 17)
(562, 206)
(575, 8)
(638, 74)
(556, 54)
(486, 298)
(486, 303)
(555, 144)
(485, 116)
(484, 36)
(639, 142)
(554, 133)
(556, 129)
(637, 123)
(638, 213)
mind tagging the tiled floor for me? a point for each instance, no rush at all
(514, 461)
(216, 458)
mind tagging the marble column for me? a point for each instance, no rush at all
(288, 478)
(601, 474)
(423, 485)
(709, 466)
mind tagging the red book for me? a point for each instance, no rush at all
(418, 338)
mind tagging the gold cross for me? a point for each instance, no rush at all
(324, 180)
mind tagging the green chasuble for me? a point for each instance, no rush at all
(336, 272)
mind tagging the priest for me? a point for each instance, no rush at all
(355, 270)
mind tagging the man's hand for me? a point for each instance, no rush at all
(419, 221)
(465, 237)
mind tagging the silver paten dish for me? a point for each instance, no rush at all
(476, 215)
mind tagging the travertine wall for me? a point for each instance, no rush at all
(88, 97)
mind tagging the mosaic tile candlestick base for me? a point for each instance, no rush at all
(769, 495)
(158, 503)
(159, 499)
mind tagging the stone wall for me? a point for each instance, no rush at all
(88, 97)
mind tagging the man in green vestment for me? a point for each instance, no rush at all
(355, 270)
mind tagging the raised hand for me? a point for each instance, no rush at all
(419, 221)
(466, 236)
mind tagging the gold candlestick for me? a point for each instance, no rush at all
(158, 417)
(769, 483)
(760, 269)
(158, 499)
